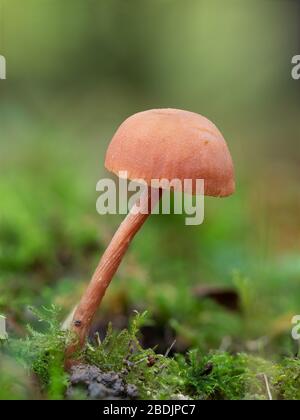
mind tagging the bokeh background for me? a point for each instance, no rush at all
(75, 70)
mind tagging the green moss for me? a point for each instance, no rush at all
(221, 376)
(44, 353)
(156, 376)
(213, 376)
(287, 381)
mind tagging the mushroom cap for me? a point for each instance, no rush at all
(172, 144)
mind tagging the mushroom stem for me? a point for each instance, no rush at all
(109, 264)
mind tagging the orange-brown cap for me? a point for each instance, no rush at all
(172, 144)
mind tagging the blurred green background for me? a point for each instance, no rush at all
(75, 70)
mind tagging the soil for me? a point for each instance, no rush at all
(98, 385)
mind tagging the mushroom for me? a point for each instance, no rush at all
(155, 144)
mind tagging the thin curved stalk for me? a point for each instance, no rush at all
(109, 264)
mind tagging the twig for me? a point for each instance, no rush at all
(268, 387)
(170, 348)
